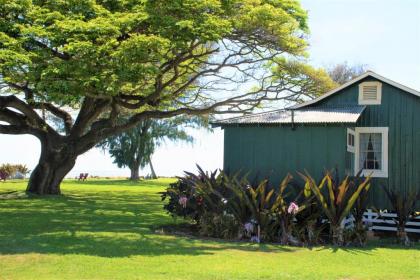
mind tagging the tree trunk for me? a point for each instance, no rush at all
(403, 236)
(134, 173)
(56, 160)
(286, 233)
(338, 235)
(152, 170)
(361, 233)
(311, 232)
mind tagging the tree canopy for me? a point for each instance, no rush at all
(343, 72)
(88, 61)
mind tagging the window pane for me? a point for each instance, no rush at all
(371, 151)
(350, 139)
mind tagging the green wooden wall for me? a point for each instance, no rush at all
(273, 151)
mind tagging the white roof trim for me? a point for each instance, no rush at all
(355, 80)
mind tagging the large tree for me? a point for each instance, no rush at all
(87, 61)
(135, 147)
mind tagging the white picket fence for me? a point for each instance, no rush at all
(383, 222)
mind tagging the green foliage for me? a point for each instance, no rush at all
(360, 207)
(302, 76)
(193, 209)
(248, 210)
(68, 50)
(219, 226)
(309, 228)
(337, 200)
(404, 205)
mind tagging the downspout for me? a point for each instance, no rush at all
(293, 119)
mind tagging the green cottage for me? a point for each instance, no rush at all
(370, 123)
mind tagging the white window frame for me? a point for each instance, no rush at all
(350, 148)
(378, 99)
(383, 173)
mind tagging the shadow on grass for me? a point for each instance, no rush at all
(106, 224)
(116, 223)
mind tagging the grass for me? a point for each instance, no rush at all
(101, 229)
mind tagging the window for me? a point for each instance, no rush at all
(370, 93)
(350, 140)
(371, 151)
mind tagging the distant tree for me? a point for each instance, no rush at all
(343, 72)
(134, 148)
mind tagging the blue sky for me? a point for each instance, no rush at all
(383, 34)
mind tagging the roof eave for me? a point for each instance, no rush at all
(355, 80)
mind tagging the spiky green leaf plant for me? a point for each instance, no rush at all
(338, 202)
(404, 206)
(360, 207)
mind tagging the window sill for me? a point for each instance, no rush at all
(374, 173)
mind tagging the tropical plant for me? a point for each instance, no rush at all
(336, 201)
(214, 199)
(404, 206)
(180, 200)
(360, 207)
(225, 205)
(254, 207)
(308, 225)
(219, 225)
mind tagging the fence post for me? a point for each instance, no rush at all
(369, 221)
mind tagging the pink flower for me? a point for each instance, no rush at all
(293, 208)
(183, 201)
(255, 239)
(249, 228)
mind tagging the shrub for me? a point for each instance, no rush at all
(8, 170)
(22, 168)
(309, 227)
(221, 226)
(336, 201)
(229, 206)
(359, 234)
(404, 206)
(183, 201)
(224, 205)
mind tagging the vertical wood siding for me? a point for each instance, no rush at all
(273, 151)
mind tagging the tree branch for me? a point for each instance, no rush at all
(31, 119)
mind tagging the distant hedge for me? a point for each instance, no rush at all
(8, 170)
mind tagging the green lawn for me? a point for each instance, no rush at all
(102, 230)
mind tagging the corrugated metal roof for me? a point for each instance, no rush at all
(341, 114)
